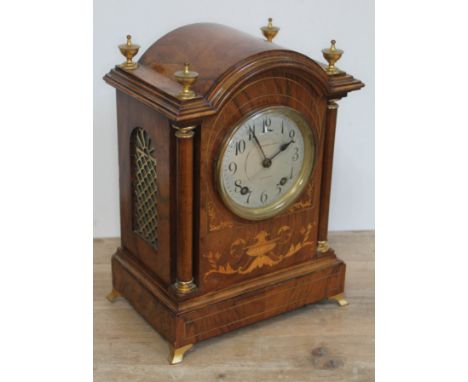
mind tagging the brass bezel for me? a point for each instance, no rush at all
(261, 213)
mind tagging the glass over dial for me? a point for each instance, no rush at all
(266, 162)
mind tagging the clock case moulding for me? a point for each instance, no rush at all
(237, 73)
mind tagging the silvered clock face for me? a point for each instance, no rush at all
(266, 162)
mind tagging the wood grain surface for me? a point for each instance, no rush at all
(280, 87)
(225, 59)
(320, 342)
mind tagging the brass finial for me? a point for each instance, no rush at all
(186, 78)
(270, 31)
(129, 50)
(332, 55)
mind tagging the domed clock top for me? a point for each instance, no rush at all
(223, 57)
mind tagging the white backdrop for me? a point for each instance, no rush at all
(306, 26)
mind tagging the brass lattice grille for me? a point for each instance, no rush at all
(145, 222)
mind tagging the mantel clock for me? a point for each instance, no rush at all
(225, 159)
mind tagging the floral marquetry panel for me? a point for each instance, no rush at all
(262, 250)
(145, 188)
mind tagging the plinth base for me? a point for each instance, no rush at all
(183, 322)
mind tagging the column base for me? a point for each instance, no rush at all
(184, 287)
(322, 246)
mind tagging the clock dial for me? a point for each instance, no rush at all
(265, 163)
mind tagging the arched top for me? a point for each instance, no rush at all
(214, 50)
(224, 57)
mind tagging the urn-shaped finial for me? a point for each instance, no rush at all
(186, 78)
(129, 50)
(270, 31)
(332, 55)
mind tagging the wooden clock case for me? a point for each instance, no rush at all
(243, 271)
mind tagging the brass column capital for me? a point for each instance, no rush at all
(184, 132)
(332, 104)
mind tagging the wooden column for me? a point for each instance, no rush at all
(184, 186)
(329, 145)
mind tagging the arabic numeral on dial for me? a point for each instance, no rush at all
(295, 156)
(266, 125)
(240, 147)
(263, 197)
(237, 185)
(232, 167)
(292, 171)
(248, 196)
(292, 134)
(251, 131)
(279, 188)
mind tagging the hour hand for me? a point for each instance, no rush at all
(283, 147)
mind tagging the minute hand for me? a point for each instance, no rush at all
(259, 146)
(283, 147)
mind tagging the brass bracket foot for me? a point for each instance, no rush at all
(176, 355)
(339, 298)
(113, 295)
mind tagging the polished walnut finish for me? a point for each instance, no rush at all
(243, 271)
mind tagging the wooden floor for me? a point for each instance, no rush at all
(320, 342)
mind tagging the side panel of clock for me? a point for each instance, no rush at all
(285, 240)
(145, 189)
